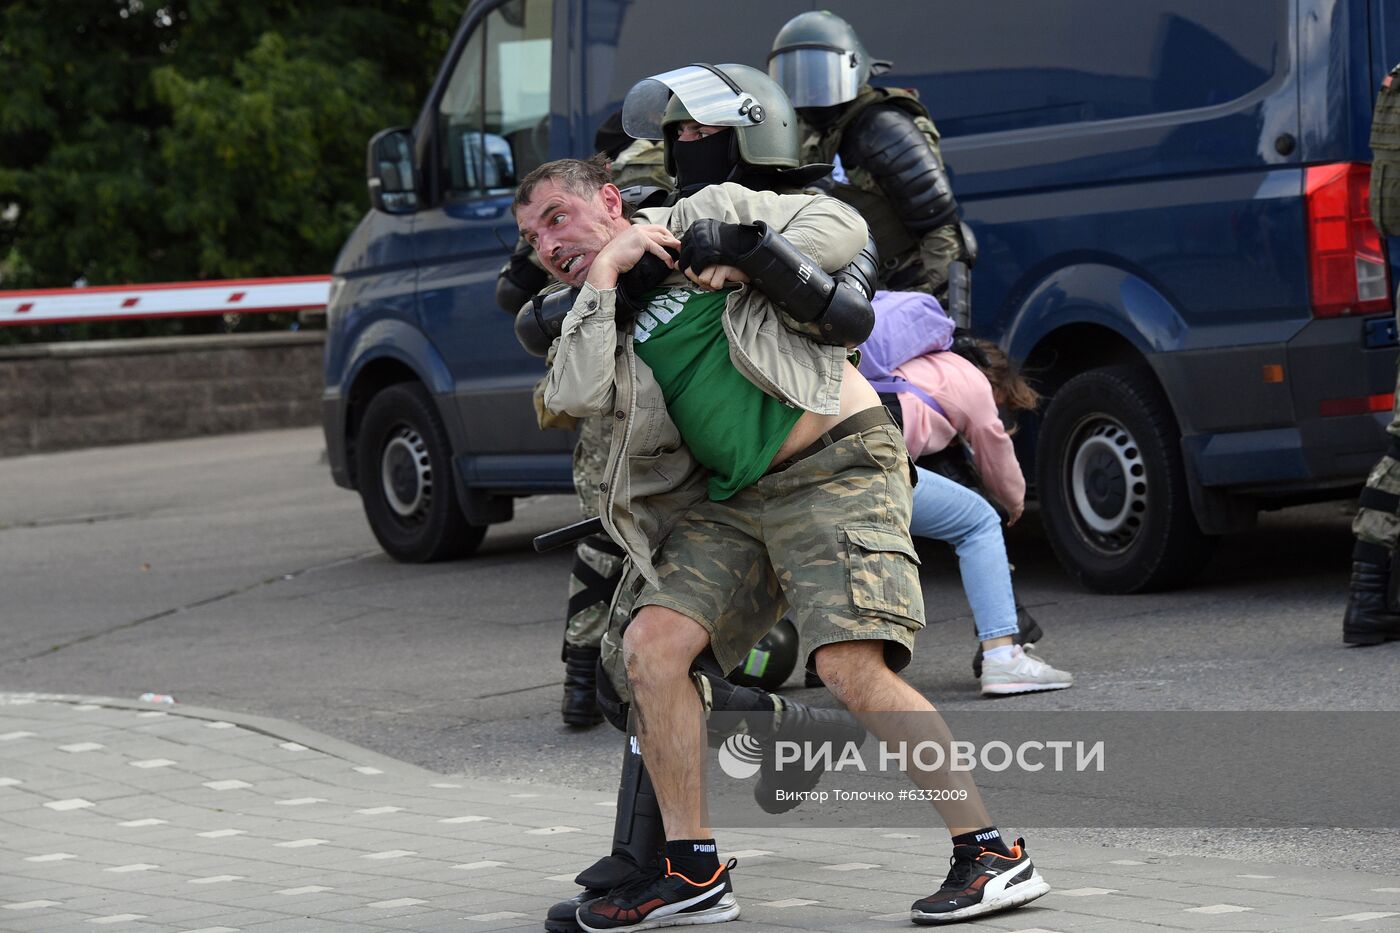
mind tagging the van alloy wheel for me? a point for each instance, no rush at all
(406, 472)
(1112, 486)
(1108, 483)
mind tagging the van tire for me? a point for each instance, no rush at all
(404, 471)
(1111, 484)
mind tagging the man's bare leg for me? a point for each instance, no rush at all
(658, 648)
(856, 674)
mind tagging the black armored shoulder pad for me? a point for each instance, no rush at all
(638, 197)
(885, 141)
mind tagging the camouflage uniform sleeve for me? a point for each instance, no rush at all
(641, 163)
(937, 250)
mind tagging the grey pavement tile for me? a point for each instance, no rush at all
(489, 901)
(192, 915)
(360, 916)
(320, 903)
(459, 920)
(291, 925)
(57, 921)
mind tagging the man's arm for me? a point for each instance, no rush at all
(580, 381)
(822, 228)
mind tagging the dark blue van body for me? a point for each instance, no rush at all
(1137, 175)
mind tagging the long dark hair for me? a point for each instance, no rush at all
(1014, 393)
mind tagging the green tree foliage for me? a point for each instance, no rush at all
(192, 139)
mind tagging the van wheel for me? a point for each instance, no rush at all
(404, 469)
(1112, 487)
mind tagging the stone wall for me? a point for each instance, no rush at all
(61, 396)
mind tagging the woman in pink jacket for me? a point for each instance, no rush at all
(953, 398)
(942, 397)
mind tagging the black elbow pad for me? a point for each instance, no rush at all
(519, 279)
(864, 271)
(542, 320)
(509, 295)
(849, 318)
(791, 281)
(800, 287)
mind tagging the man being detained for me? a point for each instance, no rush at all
(750, 465)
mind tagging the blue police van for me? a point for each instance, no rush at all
(1170, 199)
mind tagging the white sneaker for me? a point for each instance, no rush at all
(1024, 673)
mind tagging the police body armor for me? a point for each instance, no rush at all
(898, 244)
(1385, 146)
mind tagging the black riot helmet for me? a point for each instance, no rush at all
(760, 147)
(819, 61)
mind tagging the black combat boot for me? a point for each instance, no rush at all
(1027, 633)
(638, 837)
(809, 726)
(1370, 617)
(581, 686)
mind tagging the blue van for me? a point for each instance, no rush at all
(1170, 199)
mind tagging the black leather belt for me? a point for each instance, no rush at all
(860, 421)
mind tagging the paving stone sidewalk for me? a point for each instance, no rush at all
(137, 816)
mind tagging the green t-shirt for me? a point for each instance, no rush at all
(731, 426)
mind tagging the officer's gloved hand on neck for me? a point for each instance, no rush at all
(711, 242)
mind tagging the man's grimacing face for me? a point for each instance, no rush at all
(567, 230)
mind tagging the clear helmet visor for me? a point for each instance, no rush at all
(708, 97)
(817, 76)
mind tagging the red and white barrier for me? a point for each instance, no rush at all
(173, 299)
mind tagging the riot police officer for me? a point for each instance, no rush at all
(1372, 614)
(888, 166)
(885, 146)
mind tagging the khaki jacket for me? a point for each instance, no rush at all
(651, 477)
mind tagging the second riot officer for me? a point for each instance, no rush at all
(884, 143)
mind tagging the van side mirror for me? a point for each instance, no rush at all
(389, 172)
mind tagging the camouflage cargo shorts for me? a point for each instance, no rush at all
(828, 536)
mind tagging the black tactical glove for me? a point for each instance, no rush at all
(649, 272)
(715, 243)
(519, 279)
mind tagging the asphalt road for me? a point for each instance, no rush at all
(230, 572)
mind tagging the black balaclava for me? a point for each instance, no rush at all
(822, 117)
(708, 161)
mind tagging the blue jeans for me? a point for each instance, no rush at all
(948, 511)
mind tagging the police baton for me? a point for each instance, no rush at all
(568, 534)
(960, 294)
